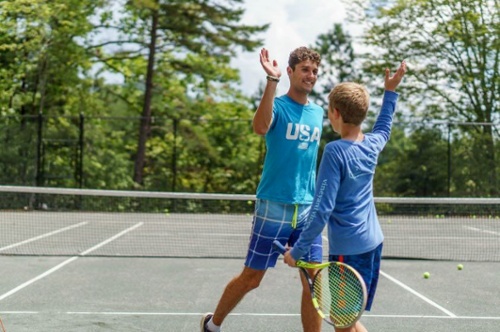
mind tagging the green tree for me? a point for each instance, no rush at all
(452, 48)
(42, 55)
(191, 40)
(467, 157)
(409, 167)
(44, 64)
(338, 64)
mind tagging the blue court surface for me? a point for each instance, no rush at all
(64, 293)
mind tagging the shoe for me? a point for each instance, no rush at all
(204, 320)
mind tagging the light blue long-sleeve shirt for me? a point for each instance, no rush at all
(344, 191)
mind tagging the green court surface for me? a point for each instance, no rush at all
(170, 294)
(90, 260)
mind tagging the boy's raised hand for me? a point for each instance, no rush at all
(392, 82)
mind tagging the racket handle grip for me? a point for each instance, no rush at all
(279, 247)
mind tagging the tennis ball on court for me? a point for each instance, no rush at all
(460, 267)
(427, 275)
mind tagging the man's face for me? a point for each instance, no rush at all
(304, 76)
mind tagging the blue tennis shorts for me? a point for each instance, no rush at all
(368, 265)
(274, 220)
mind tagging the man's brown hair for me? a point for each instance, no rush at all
(302, 54)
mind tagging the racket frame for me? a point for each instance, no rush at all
(304, 266)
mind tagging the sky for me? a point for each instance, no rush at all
(294, 23)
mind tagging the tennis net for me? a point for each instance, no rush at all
(84, 222)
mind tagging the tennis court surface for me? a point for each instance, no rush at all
(80, 260)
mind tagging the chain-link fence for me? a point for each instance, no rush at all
(201, 155)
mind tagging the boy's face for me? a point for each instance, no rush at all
(334, 116)
(304, 76)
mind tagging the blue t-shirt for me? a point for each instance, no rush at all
(344, 195)
(292, 142)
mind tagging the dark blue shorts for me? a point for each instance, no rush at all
(368, 265)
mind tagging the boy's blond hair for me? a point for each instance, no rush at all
(351, 100)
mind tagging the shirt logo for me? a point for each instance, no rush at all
(360, 167)
(303, 133)
(303, 146)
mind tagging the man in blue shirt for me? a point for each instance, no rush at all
(344, 188)
(292, 127)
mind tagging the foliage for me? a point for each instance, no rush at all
(338, 64)
(190, 42)
(411, 167)
(452, 51)
(41, 57)
(91, 77)
(56, 55)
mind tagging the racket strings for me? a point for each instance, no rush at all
(340, 295)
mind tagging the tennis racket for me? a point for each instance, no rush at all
(338, 291)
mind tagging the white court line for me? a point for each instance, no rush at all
(213, 234)
(138, 313)
(481, 230)
(111, 239)
(70, 260)
(41, 276)
(438, 238)
(414, 292)
(43, 236)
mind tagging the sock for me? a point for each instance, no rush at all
(212, 327)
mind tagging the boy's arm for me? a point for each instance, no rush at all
(384, 120)
(323, 204)
(264, 115)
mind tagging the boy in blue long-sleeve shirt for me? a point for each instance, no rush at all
(344, 188)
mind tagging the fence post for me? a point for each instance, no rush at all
(38, 169)
(81, 136)
(449, 159)
(174, 156)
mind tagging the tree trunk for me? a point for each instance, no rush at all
(146, 111)
(491, 160)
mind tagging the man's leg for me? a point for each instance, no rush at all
(235, 290)
(311, 321)
(271, 221)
